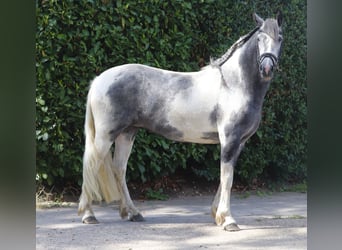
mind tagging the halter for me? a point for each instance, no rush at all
(268, 55)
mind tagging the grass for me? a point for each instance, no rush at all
(269, 190)
(300, 188)
(286, 187)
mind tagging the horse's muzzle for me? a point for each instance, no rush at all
(266, 68)
(267, 64)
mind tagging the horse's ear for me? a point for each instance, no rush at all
(259, 21)
(279, 18)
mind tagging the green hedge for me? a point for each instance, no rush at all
(77, 40)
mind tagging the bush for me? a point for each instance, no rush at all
(76, 40)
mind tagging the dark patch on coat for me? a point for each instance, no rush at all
(180, 83)
(123, 97)
(168, 131)
(253, 85)
(230, 151)
(246, 123)
(140, 97)
(215, 115)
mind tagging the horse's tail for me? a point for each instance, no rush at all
(99, 181)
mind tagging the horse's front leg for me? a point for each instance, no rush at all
(216, 202)
(230, 149)
(223, 214)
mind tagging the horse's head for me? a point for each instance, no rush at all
(269, 40)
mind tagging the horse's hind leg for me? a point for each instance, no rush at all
(98, 178)
(123, 146)
(89, 216)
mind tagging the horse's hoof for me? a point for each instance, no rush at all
(233, 227)
(137, 218)
(90, 220)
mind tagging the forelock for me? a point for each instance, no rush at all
(271, 28)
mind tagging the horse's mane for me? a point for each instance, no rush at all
(242, 40)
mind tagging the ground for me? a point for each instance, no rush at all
(276, 220)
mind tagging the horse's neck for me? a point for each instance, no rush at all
(241, 71)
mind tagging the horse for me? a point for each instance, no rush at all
(220, 104)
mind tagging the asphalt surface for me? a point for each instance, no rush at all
(276, 221)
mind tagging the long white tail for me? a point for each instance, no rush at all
(99, 181)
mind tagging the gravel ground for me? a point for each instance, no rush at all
(276, 221)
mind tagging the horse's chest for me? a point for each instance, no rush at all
(239, 112)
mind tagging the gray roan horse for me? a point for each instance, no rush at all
(220, 104)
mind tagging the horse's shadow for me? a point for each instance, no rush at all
(205, 219)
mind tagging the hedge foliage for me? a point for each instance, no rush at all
(76, 40)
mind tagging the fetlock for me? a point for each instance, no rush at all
(123, 212)
(219, 219)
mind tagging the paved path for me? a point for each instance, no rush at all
(277, 221)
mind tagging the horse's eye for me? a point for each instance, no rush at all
(280, 39)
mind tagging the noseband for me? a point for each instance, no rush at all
(273, 58)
